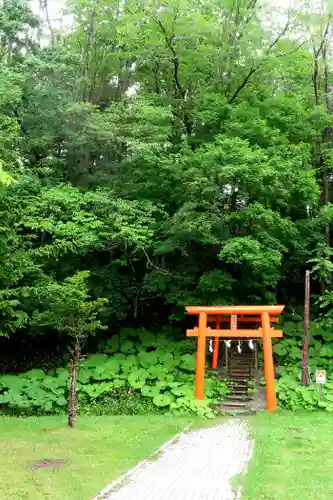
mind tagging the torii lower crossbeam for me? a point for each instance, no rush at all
(253, 334)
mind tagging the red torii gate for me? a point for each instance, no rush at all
(235, 314)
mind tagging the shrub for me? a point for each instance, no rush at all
(123, 401)
(292, 395)
(136, 371)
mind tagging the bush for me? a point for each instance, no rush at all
(288, 352)
(124, 401)
(293, 396)
(136, 372)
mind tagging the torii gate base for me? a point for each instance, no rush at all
(234, 314)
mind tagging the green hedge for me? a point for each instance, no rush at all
(137, 371)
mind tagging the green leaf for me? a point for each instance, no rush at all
(147, 359)
(188, 362)
(127, 347)
(150, 391)
(137, 379)
(34, 374)
(117, 383)
(48, 406)
(164, 399)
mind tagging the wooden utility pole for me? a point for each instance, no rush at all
(305, 351)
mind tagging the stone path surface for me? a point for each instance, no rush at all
(199, 465)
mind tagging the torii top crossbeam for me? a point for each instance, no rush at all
(264, 315)
(227, 310)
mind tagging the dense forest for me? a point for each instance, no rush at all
(155, 155)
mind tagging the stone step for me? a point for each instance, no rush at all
(237, 403)
(240, 367)
(243, 358)
(240, 364)
(242, 361)
(238, 391)
(234, 411)
(237, 397)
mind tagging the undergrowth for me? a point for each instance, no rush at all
(288, 352)
(136, 371)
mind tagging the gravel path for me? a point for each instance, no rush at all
(199, 465)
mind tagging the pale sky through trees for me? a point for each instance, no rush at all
(55, 6)
(58, 19)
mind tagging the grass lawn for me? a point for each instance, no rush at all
(99, 450)
(293, 457)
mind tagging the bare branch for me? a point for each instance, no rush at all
(175, 59)
(244, 83)
(293, 50)
(159, 269)
(151, 264)
(278, 38)
(45, 8)
(250, 7)
(316, 54)
(323, 38)
(254, 69)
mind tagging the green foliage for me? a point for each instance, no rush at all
(68, 307)
(294, 397)
(325, 303)
(289, 353)
(289, 350)
(35, 391)
(123, 401)
(5, 178)
(156, 373)
(178, 153)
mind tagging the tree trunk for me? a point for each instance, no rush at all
(72, 403)
(305, 351)
(320, 78)
(86, 56)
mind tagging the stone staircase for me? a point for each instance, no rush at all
(241, 368)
